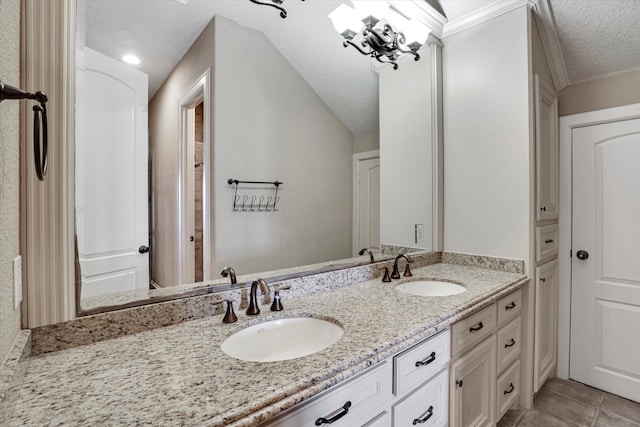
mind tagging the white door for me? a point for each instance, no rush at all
(111, 186)
(366, 202)
(605, 301)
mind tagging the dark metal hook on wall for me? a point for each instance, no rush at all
(249, 201)
(40, 131)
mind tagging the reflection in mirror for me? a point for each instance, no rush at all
(225, 90)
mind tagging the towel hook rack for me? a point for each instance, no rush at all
(249, 201)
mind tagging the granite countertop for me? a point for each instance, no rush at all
(178, 375)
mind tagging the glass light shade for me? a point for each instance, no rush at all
(416, 32)
(345, 20)
(366, 8)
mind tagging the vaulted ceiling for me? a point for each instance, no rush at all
(597, 37)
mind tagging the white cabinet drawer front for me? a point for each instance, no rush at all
(382, 420)
(508, 388)
(428, 406)
(416, 365)
(367, 394)
(470, 331)
(546, 242)
(509, 338)
(509, 307)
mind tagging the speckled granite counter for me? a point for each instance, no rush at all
(178, 375)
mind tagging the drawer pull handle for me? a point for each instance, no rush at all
(511, 388)
(548, 241)
(342, 412)
(459, 383)
(426, 361)
(511, 344)
(480, 326)
(543, 209)
(512, 305)
(424, 417)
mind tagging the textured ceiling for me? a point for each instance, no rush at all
(598, 37)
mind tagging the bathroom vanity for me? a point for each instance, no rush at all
(180, 375)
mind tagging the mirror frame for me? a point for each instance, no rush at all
(47, 227)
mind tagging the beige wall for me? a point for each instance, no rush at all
(606, 92)
(9, 172)
(366, 142)
(267, 124)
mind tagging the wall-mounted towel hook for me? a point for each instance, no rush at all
(40, 131)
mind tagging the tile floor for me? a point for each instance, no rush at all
(563, 403)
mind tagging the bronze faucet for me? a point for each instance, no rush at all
(363, 250)
(254, 309)
(407, 271)
(230, 315)
(228, 271)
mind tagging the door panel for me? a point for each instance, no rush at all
(112, 207)
(368, 205)
(605, 314)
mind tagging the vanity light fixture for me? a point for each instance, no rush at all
(131, 59)
(377, 30)
(273, 3)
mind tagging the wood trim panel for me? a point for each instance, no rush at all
(47, 208)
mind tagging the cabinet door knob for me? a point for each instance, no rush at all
(582, 255)
(543, 209)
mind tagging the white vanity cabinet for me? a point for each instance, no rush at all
(409, 387)
(484, 377)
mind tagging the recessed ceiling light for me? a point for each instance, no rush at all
(131, 59)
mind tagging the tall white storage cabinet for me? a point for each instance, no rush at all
(546, 240)
(501, 169)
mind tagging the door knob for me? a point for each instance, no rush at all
(582, 255)
(143, 249)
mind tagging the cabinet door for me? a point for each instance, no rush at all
(546, 323)
(472, 387)
(546, 152)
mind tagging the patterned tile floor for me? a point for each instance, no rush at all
(562, 403)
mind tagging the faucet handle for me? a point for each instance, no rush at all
(407, 270)
(385, 277)
(230, 315)
(277, 303)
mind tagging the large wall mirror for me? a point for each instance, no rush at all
(246, 140)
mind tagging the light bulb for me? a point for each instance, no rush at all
(345, 21)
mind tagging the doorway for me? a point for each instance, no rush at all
(599, 279)
(366, 201)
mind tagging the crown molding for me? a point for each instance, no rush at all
(481, 15)
(551, 43)
(422, 11)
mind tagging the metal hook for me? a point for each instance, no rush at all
(253, 199)
(244, 202)
(275, 201)
(260, 204)
(268, 203)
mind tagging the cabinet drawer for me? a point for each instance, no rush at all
(382, 420)
(364, 395)
(546, 242)
(509, 338)
(473, 329)
(508, 388)
(416, 365)
(509, 307)
(430, 401)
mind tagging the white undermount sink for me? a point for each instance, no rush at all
(282, 339)
(431, 288)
